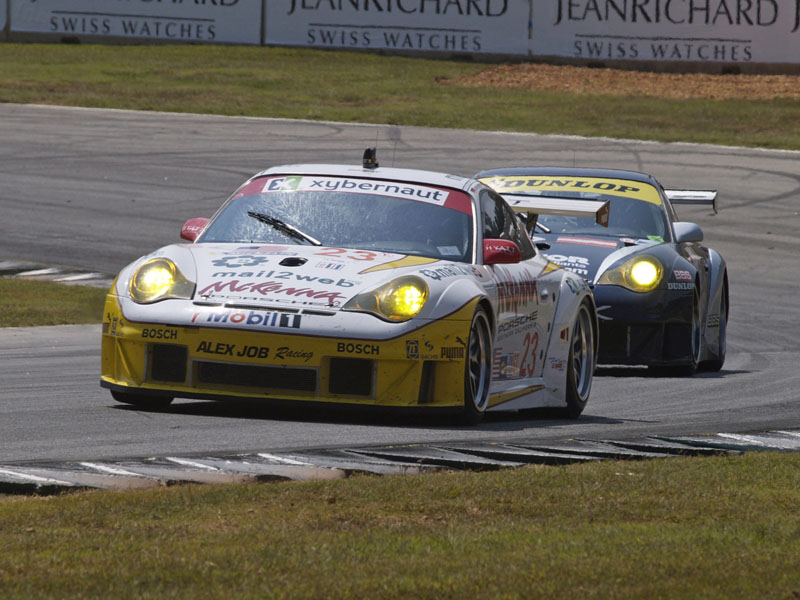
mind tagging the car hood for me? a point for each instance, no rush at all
(589, 256)
(296, 276)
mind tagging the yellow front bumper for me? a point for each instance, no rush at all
(424, 368)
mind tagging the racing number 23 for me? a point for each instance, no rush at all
(351, 254)
(531, 343)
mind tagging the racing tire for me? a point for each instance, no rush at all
(715, 364)
(581, 361)
(142, 400)
(477, 368)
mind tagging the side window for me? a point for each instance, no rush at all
(500, 222)
(493, 216)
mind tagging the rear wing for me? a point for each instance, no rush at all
(550, 205)
(707, 197)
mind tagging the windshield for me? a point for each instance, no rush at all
(627, 217)
(399, 218)
(636, 209)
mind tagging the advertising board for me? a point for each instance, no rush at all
(220, 21)
(730, 31)
(452, 26)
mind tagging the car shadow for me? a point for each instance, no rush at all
(655, 373)
(392, 417)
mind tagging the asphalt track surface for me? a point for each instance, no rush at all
(95, 189)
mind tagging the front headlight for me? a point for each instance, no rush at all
(398, 300)
(640, 274)
(158, 279)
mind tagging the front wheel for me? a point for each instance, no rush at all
(581, 361)
(478, 368)
(145, 401)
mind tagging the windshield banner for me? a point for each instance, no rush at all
(297, 183)
(229, 21)
(469, 26)
(668, 30)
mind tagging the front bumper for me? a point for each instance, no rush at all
(652, 328)
(422, 368)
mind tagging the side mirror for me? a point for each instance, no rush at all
(193, 228)
(498, 252)
(687, 232)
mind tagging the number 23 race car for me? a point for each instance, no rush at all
(355, 285)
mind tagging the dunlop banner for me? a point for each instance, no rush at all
(208, 21)
(460, 26)
(731, 31)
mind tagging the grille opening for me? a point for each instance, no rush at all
(351, 376)
(279, 378)
(168, 362)
(426, 383)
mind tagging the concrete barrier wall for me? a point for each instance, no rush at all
(760, 34)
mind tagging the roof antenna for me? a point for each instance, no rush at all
(370, 158)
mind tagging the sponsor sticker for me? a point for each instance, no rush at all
(251, 319)
(356, 348)
(452, 352)
(156, 333)
(357, 186)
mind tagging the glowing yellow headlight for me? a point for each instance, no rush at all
(398, 300)
(158, 279)
(640, 274)
(644, 273)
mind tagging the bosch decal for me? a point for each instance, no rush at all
(160, 334)
(358, 348)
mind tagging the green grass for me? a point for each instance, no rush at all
(30, 303)
(361, 87)
(724, 527)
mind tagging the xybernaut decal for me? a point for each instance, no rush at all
(229, 21)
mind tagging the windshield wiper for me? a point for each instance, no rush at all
(289, 230)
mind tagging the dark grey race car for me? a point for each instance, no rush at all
(661, 295)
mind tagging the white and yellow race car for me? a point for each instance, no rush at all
(355, 285)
